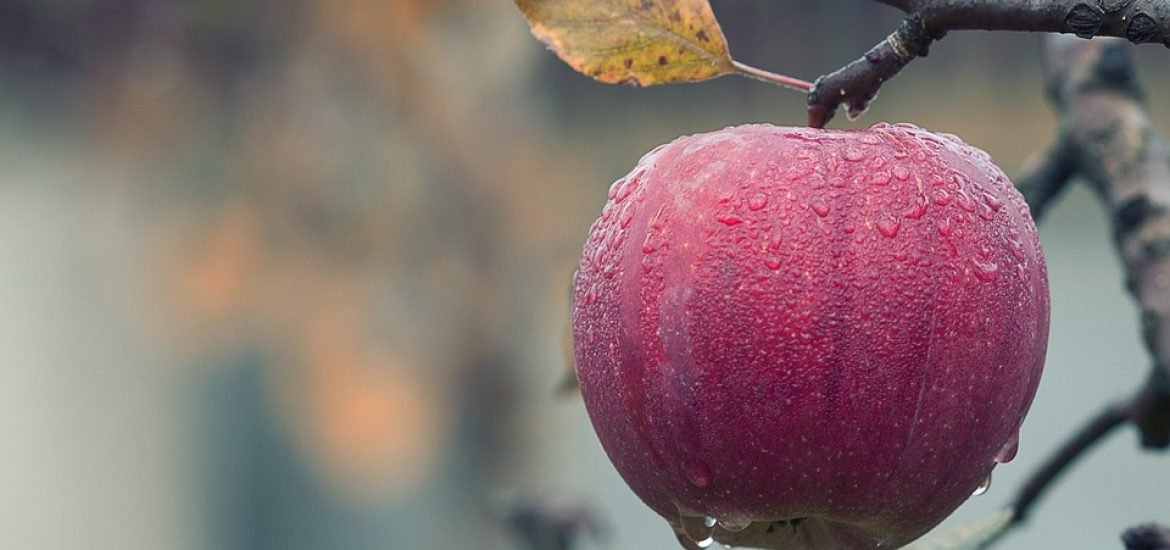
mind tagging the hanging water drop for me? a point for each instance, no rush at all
(734, 523)
(983, 486)
(821, 208)
(697, 529)
(1009, 449)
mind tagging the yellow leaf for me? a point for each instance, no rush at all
(633, 42)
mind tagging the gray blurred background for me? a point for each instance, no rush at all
(294, 274)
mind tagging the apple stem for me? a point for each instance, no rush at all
(771, 77)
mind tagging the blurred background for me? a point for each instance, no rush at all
(294, 274)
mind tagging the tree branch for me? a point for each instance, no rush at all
(1111, 143)
(1150, 536)
(1106, 138)
(856, 84)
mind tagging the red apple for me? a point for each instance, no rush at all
(798, 338)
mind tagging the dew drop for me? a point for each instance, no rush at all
(696, 529)
(901, 172)
(985, 271)
(729, 219)
(853, 154)
(942, 198)
(821, 208)
(944, 227)
(983, 486)
(613, 188)
(900, 256)
(627, 216)
(734, 523)
(689, 544)
(878, 163)
(916, 210)
(758, 201)
(881, 178)
(965, 202)
(772, 262)
(888, 227)
(1009, 450)
(986, 213)
(623, 191)
(992, 202)
(698, 473)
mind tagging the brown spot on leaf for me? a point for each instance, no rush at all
(662, 60)
(676, 16)
(628, 63)
(702, 36)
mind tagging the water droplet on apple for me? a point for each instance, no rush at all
(688, 544)
(1009, 450)
(983, 486)
(916, 210)
(942, 198)
(698, 473)
(734, 523)
(627, 216)
(853, 154)
(881, 178)
(944, 227)
(992, 202)
(772, 262)
(985, 271)
(729, 219)
(901, 172)
(888, 227)
(696, 529)
(757, 202)
(965, 202)
(821, 208)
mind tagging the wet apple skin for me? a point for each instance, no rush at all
(843, 325)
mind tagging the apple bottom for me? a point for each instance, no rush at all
(807, 533)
